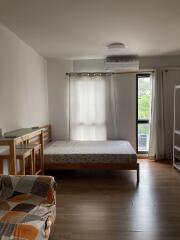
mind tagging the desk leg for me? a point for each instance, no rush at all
(12, 149)
(42, 152)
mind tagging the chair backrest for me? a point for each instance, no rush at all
(46, 135)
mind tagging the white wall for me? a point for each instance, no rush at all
(58, 85)
(23, 84)
(58, 97)
(159, 62)
(92, 65)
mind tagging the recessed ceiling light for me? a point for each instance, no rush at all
(115, 46)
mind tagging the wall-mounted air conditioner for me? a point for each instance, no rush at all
(122, 63)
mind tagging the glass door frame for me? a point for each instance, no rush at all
(138, 121)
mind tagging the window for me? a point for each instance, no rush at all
(143, 98)
(87, 108)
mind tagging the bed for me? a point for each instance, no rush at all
(112, 155)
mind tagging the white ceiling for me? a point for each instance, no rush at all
(82, 28)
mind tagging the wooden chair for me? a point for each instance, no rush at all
(35, 148)
(23, 155)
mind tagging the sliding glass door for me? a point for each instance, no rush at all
(143, 100)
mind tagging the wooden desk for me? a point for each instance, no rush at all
(18, 136)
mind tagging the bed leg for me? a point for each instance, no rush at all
(138, 173)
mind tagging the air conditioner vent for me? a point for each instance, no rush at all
(122, 63)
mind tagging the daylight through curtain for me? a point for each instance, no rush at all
(87, 108)
(103, 107)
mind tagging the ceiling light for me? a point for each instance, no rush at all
(115, 46)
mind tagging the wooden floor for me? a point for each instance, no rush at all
(108, 206)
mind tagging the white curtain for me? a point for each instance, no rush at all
(87, 108)
(161, 129)
(103, 107)
(157, 127)
(121, 107)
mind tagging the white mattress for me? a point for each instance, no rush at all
(90, 152)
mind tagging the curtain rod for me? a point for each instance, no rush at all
(143, 71)
(107, 73)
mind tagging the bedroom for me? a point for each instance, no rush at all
(100, 124)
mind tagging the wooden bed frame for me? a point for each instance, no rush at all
(81, 166)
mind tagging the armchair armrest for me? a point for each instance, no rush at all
(42, 186)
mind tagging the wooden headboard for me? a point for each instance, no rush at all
(46, 133)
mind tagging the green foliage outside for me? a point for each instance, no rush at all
(144, 101)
